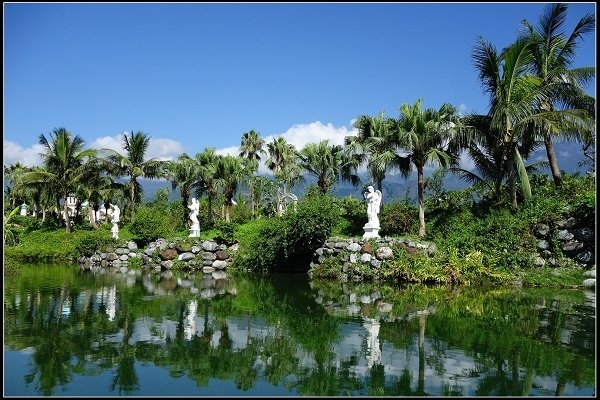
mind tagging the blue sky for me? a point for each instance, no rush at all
(196, 75)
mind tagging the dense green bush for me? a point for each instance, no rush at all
(287, 243)
(398, 218)
(151, 223)
(353, 216)
(94, 240)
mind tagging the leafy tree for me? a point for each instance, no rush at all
(207, 164)
(229, 172)
(252, 147)
(425, 135)
(65, 165)
(327, 163)
(553, 55)
(183, 174)
(374, 145)
(133, 164)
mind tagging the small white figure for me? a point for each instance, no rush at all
(374, 202)
(116, 217)
(194, 209)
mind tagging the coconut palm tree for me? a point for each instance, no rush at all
(64, 161)
(514, 96)
(282, 161)
(374, 145)
(133, 164)
(183, 174)
(252, 147)
(328, 163)
(553, 55)
(425, 135)
(207, 164)
(229, 172)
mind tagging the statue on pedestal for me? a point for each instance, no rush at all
(194, 209)
(373, 198)
(116, 217)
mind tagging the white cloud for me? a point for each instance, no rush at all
(229, 151)
(463, 109)
(466, 162)
(30, 156)
(301, 134)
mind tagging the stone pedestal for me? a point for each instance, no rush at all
(115, 231)
(371, 231)
(195, 230)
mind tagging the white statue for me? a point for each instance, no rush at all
(116, 217)
(374, 202)
(23, 209)
(194, 209)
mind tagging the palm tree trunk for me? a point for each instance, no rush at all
(552, 160)
(209, 216)
(510, 171)
(420, 185)
(251, 199)
(92, 215)
(132, 198)
(66, 211)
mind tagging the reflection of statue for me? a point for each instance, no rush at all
(116, 217)
(374, 202)
(194, 209)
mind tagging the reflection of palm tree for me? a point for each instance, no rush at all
(125, 376)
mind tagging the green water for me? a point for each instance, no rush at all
(69, 332)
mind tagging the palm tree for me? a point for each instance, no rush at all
(229, 172)
(133, 164)
(513, 99)
(374, 144)
(424, 135)
(553, 55)
(252, 147)
(183, 174)
(327, 163)
(95, 186)
(207, 163)
(64, 161)
(282, 161)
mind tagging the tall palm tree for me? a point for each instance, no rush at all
(328, 163)
(133, 164)
(94, 187)
(553, 55)
(252, 147)
(514, 96)
(183, 174)
(282, 161)
(374, 145)
(229, 172)
(425, 136)
(207, 164)
(64, 160)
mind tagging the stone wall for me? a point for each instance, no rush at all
(356, 253)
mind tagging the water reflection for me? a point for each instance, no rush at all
(112, 333)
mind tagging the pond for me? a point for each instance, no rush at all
(70, 332)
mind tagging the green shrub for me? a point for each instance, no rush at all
(398, 218)
(150, 224)
(353, 216)
(307, 228)
(92, 241)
